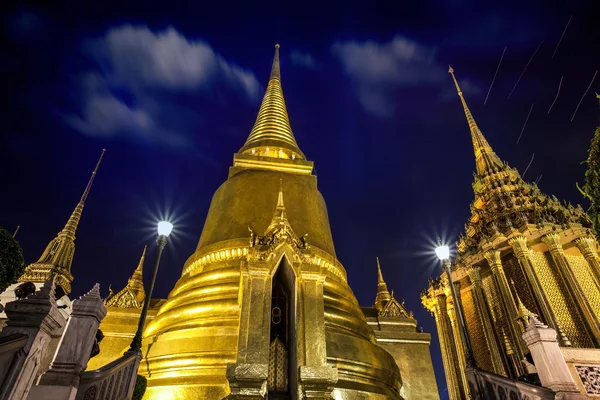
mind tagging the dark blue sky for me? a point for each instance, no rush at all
(171, 89)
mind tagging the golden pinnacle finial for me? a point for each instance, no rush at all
(379, 274)
(383, 294)
(86, 192)
(280, 195)
(272, 135)
(141, 263)
(275, 71)
(485, 158)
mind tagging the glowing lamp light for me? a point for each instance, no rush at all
(443, 252)
(165, 228)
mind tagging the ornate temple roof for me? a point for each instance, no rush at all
(272, 127)
(132, 295)
(57, 258)
(385, 303)
(504, 202)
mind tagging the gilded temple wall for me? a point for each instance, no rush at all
(497, 351)
(561, 304)
(475, 328)
(410, 349)
(119, 327)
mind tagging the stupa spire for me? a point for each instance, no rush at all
(272, 134)
(383, 294)
(58, 256)
(132, 295)
(71, 226)
(485, 157)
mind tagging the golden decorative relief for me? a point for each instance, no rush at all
(570, 323)
(278, 366)
(394, 309)
(475, 329)
(582, 272)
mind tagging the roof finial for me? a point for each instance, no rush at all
(383, 295)
(379, 274)
(275, 72)
(86, 192)
(140, 266)
(272, 128)
(485, 158)
(280, 204)
(73, 221)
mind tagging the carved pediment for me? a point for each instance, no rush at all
(395, 310)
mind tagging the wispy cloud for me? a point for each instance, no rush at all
(137, 65)
(304, 60)
(378, 68)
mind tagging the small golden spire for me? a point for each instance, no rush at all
(275, 71)
(383, 295)
(272, 128)
(280, 215)
(137, 279)
(57, 258)
(507, 345)
(132, 295)
(485, 158)
(379, 274)
(71, 226)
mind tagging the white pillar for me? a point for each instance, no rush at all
(549, 361)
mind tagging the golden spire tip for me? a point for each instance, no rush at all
(275, 72)
(86, 192)
(379, 274)
(277, 45)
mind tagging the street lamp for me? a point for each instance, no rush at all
(164, 230)
(443, 253)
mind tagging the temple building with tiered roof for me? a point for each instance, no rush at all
(523, 252)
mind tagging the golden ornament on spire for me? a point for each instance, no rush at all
(58, 256)
(132, 295)
(279, 216)
(272, 134)
(485, 158)
(383, 295)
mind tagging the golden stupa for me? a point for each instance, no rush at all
(263, 308)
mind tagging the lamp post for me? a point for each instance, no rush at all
(164, 230)
(443, 253)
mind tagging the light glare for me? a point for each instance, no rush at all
(443, 252)
(165, 228)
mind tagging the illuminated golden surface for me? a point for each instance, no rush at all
(272, 134)
(211, 337)
(529, 248)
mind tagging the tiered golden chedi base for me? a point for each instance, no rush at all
(214, 328)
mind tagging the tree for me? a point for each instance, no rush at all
(12, 262)
(591, 188)
(140, 388)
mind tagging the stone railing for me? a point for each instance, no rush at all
(113, 381)
(489, 386)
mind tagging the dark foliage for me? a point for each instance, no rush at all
(12, 262)
(591, 188)
(140, 388)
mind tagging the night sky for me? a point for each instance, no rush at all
(171, 90)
